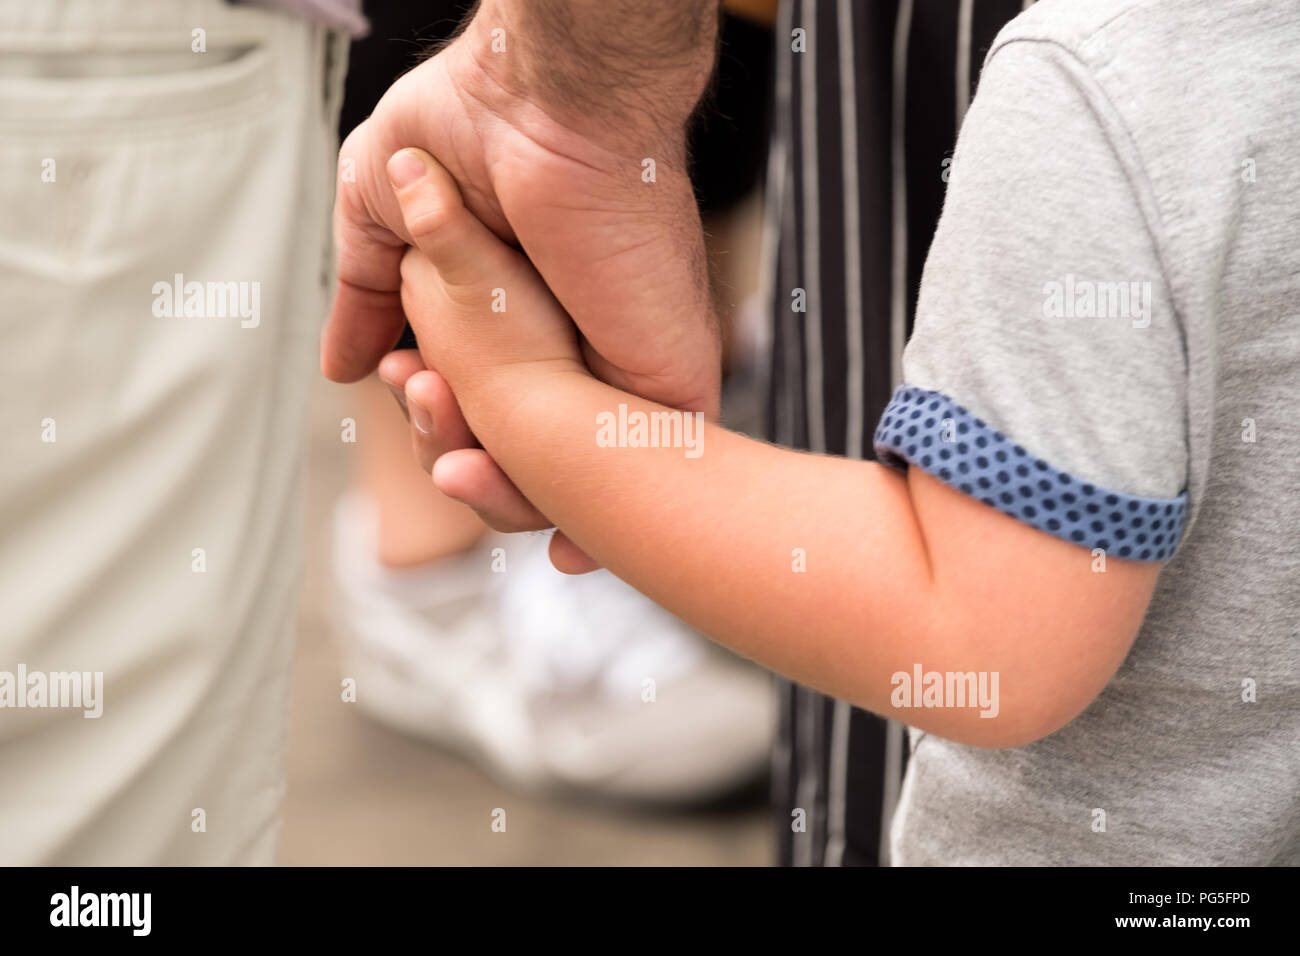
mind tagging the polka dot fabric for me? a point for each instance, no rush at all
(979, 461)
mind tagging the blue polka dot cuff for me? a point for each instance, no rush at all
(931, 431)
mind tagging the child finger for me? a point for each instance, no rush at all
(471, 476)
(394, 369)
(437, 425)
(568, 558)
(441, 226)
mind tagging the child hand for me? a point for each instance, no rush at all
(489, 327)
(480, 312)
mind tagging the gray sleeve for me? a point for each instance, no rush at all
(1040, 220)
(1043, 314)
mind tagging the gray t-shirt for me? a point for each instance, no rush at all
(1114, 287)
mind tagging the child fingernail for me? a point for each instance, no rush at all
(404, 168)
(420, 418)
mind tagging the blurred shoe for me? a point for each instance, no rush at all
(548, 681)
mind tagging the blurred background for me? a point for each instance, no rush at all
(503, 713)
(360, 793)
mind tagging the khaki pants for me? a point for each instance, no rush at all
(151, 446)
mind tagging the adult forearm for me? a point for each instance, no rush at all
(644, 61)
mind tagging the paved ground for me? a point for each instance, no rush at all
(360, 794)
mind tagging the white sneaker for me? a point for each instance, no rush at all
(549, 681)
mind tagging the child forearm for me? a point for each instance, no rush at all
(816, 567)
(839, 574)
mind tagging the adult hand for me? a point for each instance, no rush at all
(563, 123)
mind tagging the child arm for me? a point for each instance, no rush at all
(837, 573)
(1044, 308)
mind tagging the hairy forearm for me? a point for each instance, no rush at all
(638, 61)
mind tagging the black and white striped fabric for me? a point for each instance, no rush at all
(869, 97)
